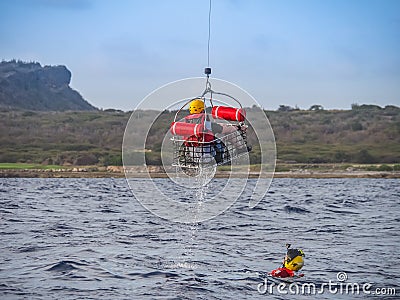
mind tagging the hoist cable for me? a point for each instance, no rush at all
(209, 35)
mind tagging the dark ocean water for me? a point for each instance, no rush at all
(90, 239)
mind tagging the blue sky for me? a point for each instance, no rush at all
(328, 52)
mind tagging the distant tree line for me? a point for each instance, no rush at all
(364, 134)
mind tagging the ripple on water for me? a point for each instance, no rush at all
(90, 239)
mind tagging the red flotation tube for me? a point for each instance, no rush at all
(229, 113)
(186, 129)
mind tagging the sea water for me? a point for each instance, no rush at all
(91, 239)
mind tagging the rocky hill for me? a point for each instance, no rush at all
(33, 87)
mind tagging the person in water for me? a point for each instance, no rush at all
(197, 115)
(292, 263)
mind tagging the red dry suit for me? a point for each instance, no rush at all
(282, 273)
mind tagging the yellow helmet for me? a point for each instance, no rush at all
(196, 106)
(294, 259)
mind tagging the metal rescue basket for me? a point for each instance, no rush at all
(198, 145)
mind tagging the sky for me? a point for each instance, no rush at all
(332, 53)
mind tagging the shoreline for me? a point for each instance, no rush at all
(50, 173)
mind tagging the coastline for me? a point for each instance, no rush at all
(117, 172)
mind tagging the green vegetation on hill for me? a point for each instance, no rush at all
(62, 138)
(364, 134)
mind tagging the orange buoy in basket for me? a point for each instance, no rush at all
(186, 129)
(229, 113)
